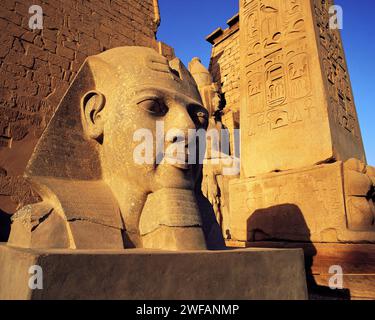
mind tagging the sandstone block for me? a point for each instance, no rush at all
(155, 275)
(309, 204)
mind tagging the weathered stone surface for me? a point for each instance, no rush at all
(360, 213)
(357, 183)
(86, 168)
(215, 187)
(176, 224)
(37, 225)
(225, 70)
(297, 106)
(297, 110)
(208, 89)
(175, 238)
(154, 275)
(225, 67)
(359, 190)
(356, 165)
(39, 65)
(357, 262)
(309, 204)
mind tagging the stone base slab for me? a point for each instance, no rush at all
(356, 260)
(324, 203)
(153, 275)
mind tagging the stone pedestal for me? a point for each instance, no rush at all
(357, 262)
(325, 203)
(138, 274)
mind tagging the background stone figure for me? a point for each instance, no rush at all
(94, 193)
(214, 183)
(209, 90)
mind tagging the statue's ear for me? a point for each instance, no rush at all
(92, 104)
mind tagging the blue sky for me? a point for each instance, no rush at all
(186, 23)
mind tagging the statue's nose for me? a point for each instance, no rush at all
(179, 118)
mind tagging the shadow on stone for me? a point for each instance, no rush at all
(284, 226)
(4, 226)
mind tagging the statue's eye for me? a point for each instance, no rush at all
(199, 115)
(154, 106)
(202, 117)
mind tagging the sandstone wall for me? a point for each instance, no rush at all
(37, 66)
(225, 64)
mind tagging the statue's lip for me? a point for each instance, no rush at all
(172, 161)
(184, 166)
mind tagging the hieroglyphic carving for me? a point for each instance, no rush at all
(293, 86)
(341, 103)
(275, 84)
(277, 62)
(299, 76)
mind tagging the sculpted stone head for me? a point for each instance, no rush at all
(135, 88)
(85, 158)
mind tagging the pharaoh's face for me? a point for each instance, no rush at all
(145, 128)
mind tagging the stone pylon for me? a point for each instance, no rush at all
(303, 167)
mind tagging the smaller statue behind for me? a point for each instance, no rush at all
(96, 193)
(209, 90)
(215, 183)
